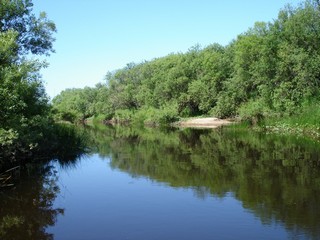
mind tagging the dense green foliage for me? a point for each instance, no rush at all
(271, 70)
(26, 128)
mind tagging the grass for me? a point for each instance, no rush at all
(305, 122)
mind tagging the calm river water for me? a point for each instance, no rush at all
(171, 184)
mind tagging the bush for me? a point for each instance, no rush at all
(153, 116)
(65, 116)
(253, 111)
(226, 107)
(167, 114)
(123, 116)
(8, 145)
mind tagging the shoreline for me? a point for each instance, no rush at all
(208, 122)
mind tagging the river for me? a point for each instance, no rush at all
(145, 183)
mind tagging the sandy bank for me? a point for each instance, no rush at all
(210, 122)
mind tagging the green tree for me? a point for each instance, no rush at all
(270, 70)
(34, 34)
(24, 103)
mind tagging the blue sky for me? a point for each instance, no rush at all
(97, 36)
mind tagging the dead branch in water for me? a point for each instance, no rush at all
(6, 176)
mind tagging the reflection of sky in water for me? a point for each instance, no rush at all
(104, 203)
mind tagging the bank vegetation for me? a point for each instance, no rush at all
(267, 76)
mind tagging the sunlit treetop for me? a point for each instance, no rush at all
(34, 34)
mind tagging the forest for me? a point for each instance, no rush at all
(266, 75)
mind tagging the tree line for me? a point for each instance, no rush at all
(270, 70)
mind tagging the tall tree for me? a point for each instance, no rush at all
(23, 101)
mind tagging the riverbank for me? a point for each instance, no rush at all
(209, 122)
(302, 124)
(282, 126)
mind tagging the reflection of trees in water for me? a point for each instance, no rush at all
(27, 210)
(276, 178)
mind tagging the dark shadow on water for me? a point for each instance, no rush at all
(28, 190)
(27, 209)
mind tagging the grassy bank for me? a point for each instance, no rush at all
(304, 122)
(40, 143)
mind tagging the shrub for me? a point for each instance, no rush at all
(123, 116)
(253, 111)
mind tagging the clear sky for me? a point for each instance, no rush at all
(97, 36)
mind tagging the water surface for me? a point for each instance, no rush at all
(171, 184)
